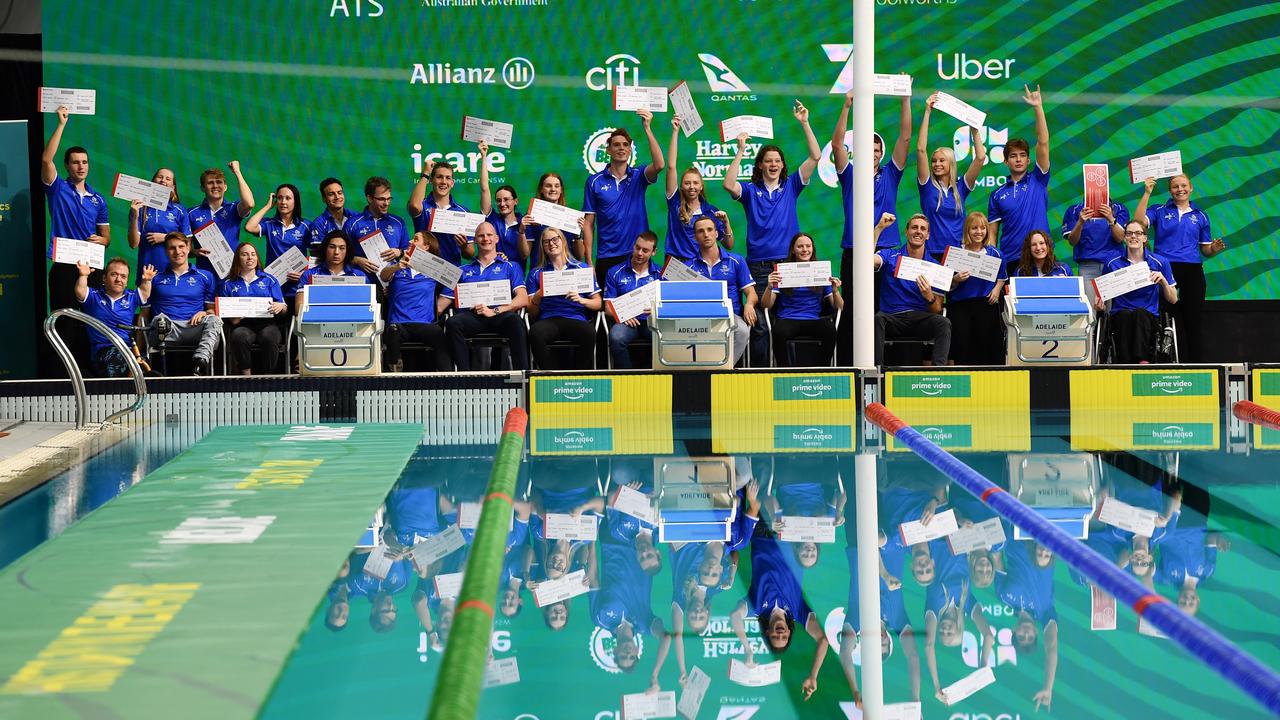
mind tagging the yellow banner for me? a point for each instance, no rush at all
(600, 415)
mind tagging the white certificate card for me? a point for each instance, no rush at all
(960, 110)
(977, 264)
(373, 245)
(815, 273)
(242, 307)
(563, 526)
(1117, 513)
(565, 219)
(896, 85)
(77, 101)
(968, 685)
(756, 675)
(448, 585)
(641, 706)
(153, 195)
(1117, 283)
(434, 266)
(682, 105)
(292, 261)
(556, 283)
(980, 536)
(636, 504)
(70, 252)
(676, 270)
(940, 526)
(909, 268)
(454, 222)
(801, 528)
(1160, 165)
(436, 547)
(695, 689)
(562, 588)
(501, 672)
(497, 134)
(220, 254)
(756, 126)
(639, 97)
(485, 292)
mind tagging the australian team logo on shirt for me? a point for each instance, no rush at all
(169, 215)
(191, 279)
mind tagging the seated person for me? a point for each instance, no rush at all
(334, 260)
(716, 263)
(910, 308)
(563, 317)
(247, 279)
(181, 306)
(1135, 314)
(1037, 258)
(114, 305)
(798, 309)
(413, 312)
(503, 319)
(621, 280)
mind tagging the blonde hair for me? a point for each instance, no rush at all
(686, 212)
(954, 187)
(971, 220)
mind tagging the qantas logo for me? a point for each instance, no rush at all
(720, 77)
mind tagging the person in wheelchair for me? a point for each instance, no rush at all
(115, 305)
(1134, 316)
(181, 306)
(798, 309)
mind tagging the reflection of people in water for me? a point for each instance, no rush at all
(806, 486)
(1024, 581)
(560, 485)
(1139, 556)
(905, 504)
(339, 600)
(1188, 557)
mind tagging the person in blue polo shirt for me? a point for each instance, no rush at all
(623, 279)
(502, 319)
(715, 263)
(226, 216)
(247, 279)
(799, 308)
(973, 305)
(550, 189)
(1022, 203)
(1037, 258)
(769, 201)
(942, 190)
(686, 202)
(335, 215)
(614, 199)
(1134, 314)
(413, 312)
(181, 307)
(114, 305)
(283, 231)
(909, 307)
(500, 210)
(375, 218)
(148, 226)
(1184, 238)
(1097, 236)
(440, 175)
(334, 261)
(561, 317)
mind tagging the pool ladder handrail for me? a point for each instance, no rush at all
(73, 370)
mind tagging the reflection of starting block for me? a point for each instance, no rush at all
(695, 498)
(339, 330)
(692, 325)
(1050, 321)
(1060, 488)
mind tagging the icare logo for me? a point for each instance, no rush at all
(737, 712)
(620, 69)
(841, 53)
(985, 716)
(1005, 651)
(595, 156)
(466, 164)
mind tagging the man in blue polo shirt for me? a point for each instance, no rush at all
(1097, 236)
(412, 297)
(503, 319)
(614, 198)
(440, 176)
(225, 216)
(623, 279)
(716, 263)
(335, 215)
(910, 308)
(1022, 203)
(181, 305)
(377, 193)
(114, 305)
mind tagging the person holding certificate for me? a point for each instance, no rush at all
(114, 305)
(614, 199)
(334, 260)
(377, 218)
(148, 226)
(686, 201)
(504, 218)
(214, 208)
(414, 308)
(550, 189)
(909, 308)
(799, 308)
(714, 263)
(440, 177)
(1026, 585)
(247, 279)
(973, 305)
(1037, 258)
(181, 307)
(285, 230)
(1097, 236)
(1135, 315)
(502, 319)
(942, 193)
(561, 317)
(623, 279)
(335, 215)
(1021, 204)
(769, 201)
(1183, 237)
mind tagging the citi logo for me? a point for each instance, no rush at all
(517, 73)
(620, 69)
(723, 80)
(964, 67)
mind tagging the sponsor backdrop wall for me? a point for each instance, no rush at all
(301, 90)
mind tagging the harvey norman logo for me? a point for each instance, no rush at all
(817, 387)
(574, 391)
(1184, 384)
(1166, 435)
(812, 437)
(940, 386)
(575, 440)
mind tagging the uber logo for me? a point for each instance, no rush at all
(964, 67)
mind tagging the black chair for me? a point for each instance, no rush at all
(809, 341)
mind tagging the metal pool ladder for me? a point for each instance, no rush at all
(73, 370)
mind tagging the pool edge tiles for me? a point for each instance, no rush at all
(185, 596)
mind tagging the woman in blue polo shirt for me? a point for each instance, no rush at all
(973, 305)
(283, 231)
(247, 279)
(550, 189)
(334, 260)
(1037, 258)
(798, 309)
(686, 202)
(563, 316)
(148, 226)
(1183, 237)
(1134, 314)
(942, 191)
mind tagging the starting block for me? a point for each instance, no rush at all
(695, 499)
(339, 330)
(692, 325)
(1050, 320)
(1061, 488)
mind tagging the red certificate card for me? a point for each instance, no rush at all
(1097, 186)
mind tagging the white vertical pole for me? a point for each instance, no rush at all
(864, 352)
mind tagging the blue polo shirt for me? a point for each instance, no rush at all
(946, 219)
(771, 217)
(775, 581)
(280, 239)
(150, 220)
(496, 270)
(1020, 207)
(898, 295)
(264, 285)
(1147, 298)
(1026, 586)
(976, 287)
(560, 306)
(508, 236)
(323, 270)
(622, 280)
(73, 215)
(323, 224)
(111, 312)
(888, 178)
(533, 234)
(412, 297)
(732, 269)
(182, 296)
(392, 227)
(1096, 243)
(802, 303)
(227, 218)
(1059, 270)
(619, 209)
(680, 242)
(449, 249)
(1178, 238)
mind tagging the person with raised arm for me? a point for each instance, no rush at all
(440, 177)
(284, 230)
(942, 193)
(911, 308)
(501, 319)
(500, 210)
(114, 304)
(226, 216)
(686, 202)
(1096, 236)
(614, 199)
(1022, 203)
(148, 226)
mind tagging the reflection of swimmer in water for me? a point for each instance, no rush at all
(1188, 557)
(807, 486)
(1024, 581)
